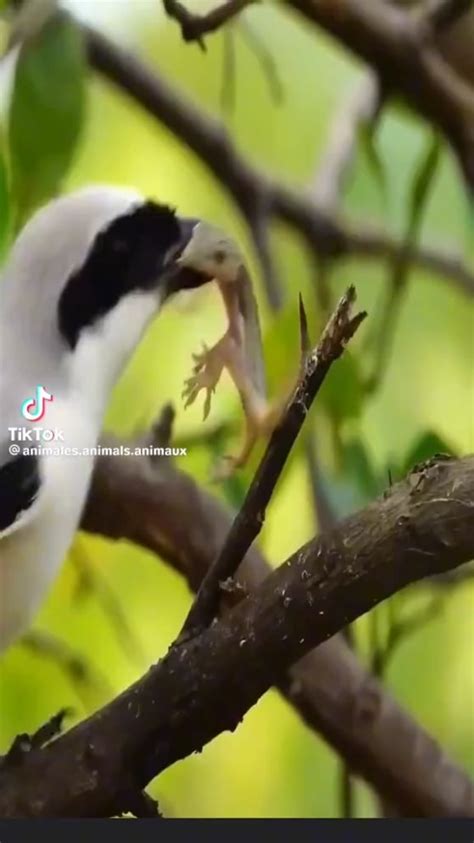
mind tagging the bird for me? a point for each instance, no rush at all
(83, 280)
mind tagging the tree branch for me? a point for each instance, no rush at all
(248, 523)
(394, 43)
(440, 14)
(420, 527)
(362, 106)
(165, 511)
(249, 187)
(194, 27)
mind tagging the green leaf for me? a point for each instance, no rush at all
(426, 446)
(342, 393)
(367, 142)
(46, 112)
(422, 182)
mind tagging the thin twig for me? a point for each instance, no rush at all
(228, 87)
(400, 629)
(92, 581)
(373, 244)
(400, 270)
(162, 429)
(194, 27)
(266, 60)
(386, 331)
(259, 224)
(25, 744)
(248, 523)
(362, 106)
(82, 676)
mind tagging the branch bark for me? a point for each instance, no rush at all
(420, 527)
(194, 27)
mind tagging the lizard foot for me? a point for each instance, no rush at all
(207, 371)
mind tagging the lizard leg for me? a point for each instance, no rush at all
(261, 416)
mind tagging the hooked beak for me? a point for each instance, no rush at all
(176, 276)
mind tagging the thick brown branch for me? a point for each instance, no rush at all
(165, 511)
(421, 527)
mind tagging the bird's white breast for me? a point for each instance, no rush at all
(31, 556)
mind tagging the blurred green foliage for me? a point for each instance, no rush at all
(272, 766)
(46, 112)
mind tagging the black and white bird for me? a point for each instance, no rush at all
(83, 280)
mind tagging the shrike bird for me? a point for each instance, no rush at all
(84, 278)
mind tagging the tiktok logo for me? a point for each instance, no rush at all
(34, 408)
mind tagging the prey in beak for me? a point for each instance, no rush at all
(177, 275)
(212, 255)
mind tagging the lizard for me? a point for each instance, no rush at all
(214, 253)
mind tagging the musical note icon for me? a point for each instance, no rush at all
(34, 409)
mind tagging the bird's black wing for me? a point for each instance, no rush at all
(19, 487)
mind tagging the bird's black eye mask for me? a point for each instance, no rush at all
(137, 251)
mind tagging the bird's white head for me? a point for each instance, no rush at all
(83, 280)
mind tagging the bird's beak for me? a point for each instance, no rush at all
(177, 276)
